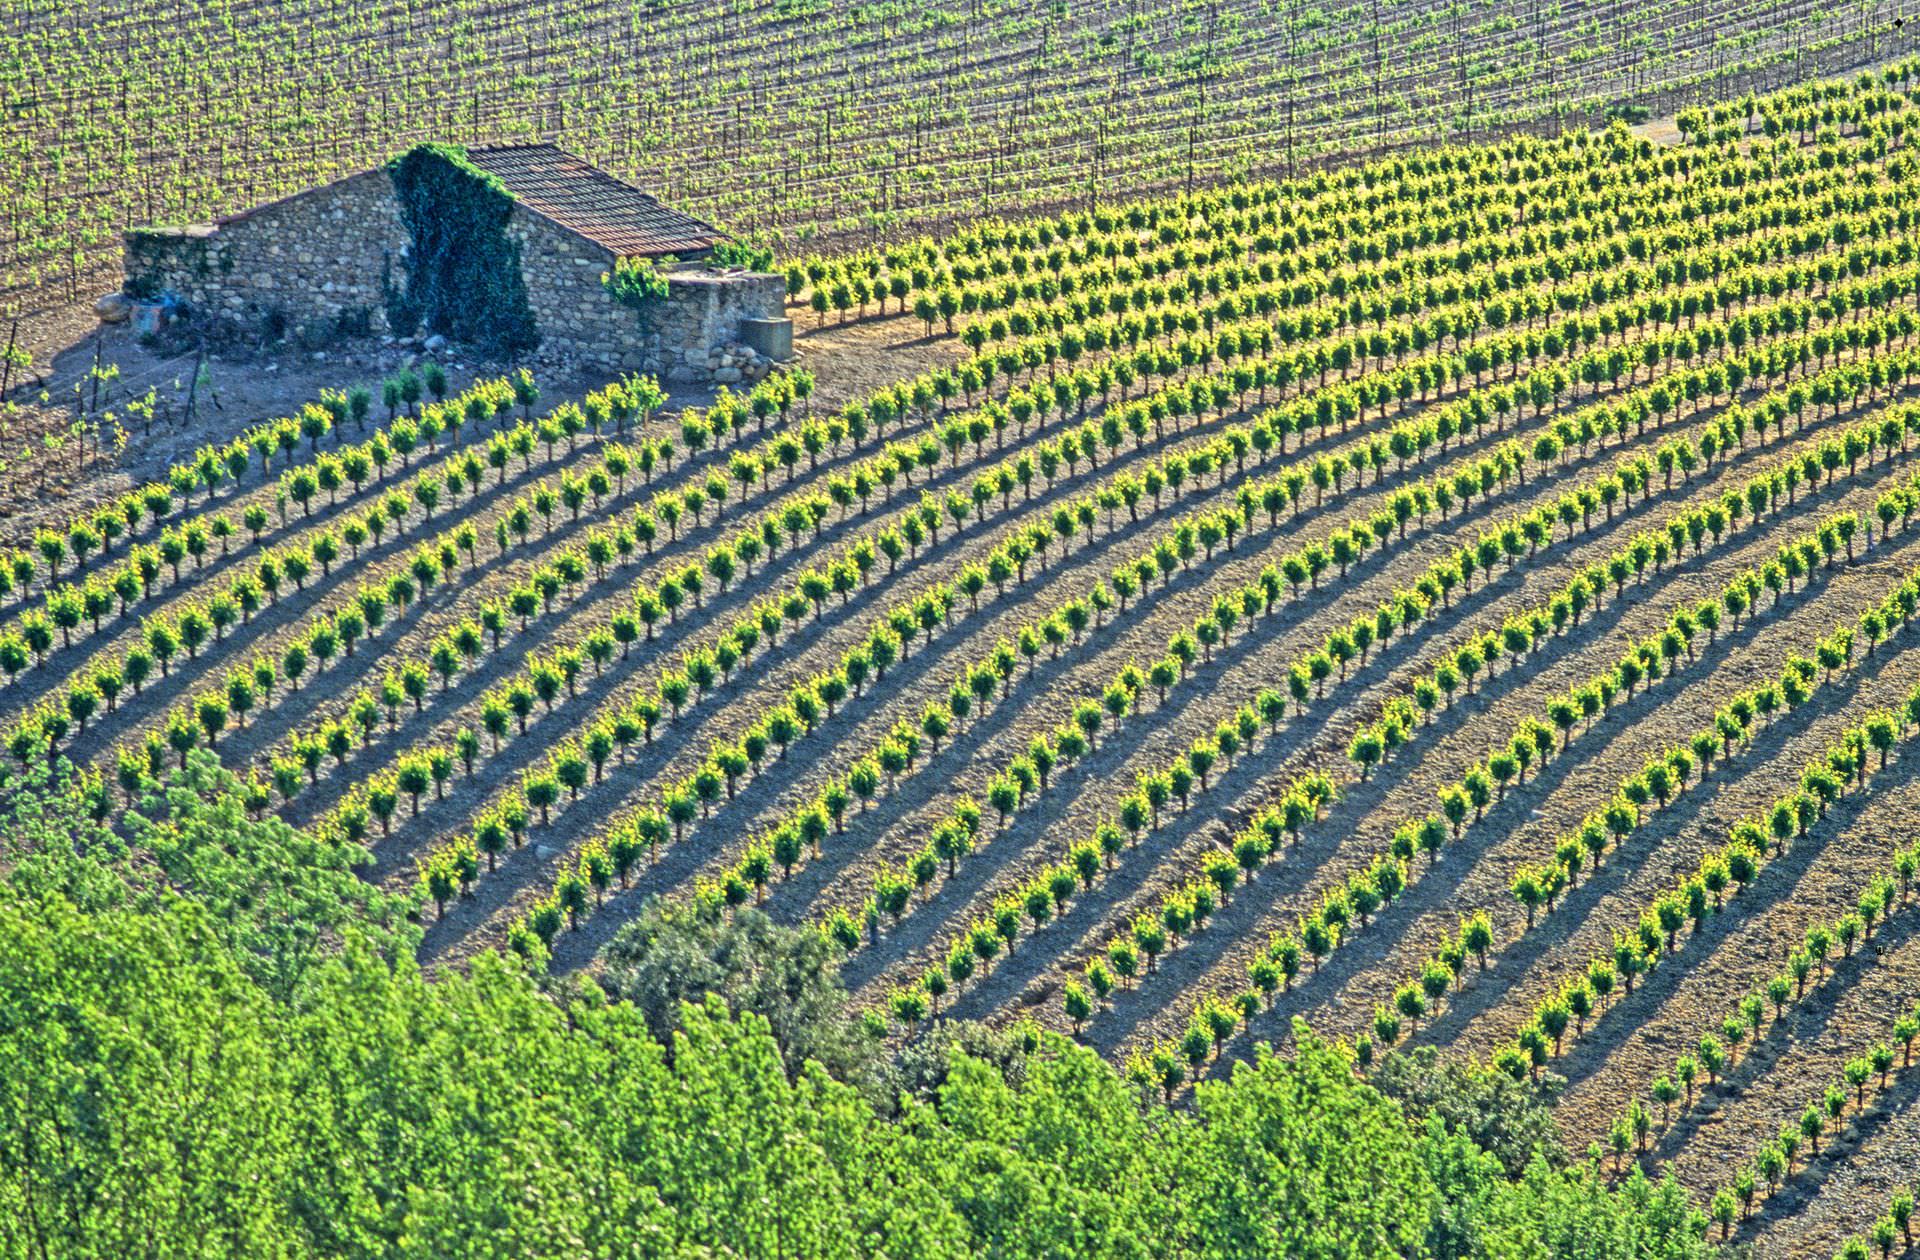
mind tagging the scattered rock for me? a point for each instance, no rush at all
(434, 344)
(113, 308)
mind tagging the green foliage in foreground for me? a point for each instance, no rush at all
(225, 1049)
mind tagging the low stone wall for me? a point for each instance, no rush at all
(316, 265)
(699, 323)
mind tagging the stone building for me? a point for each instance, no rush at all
(326, 262)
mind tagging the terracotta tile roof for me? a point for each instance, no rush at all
(582, 198)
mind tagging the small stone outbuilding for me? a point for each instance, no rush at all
(334, 261)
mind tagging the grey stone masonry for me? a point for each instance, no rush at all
(317, 264)
(571, 308)
(699, 323)
(314, 260)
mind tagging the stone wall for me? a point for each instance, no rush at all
(699, 323)
(311, 263)
(315, 265)
(571, 308)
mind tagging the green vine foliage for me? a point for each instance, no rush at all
(463, 273)
(637, 284)
(634, 282)
(744, 254)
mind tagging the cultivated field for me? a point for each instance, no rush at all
(1461, 600)
(798, 117)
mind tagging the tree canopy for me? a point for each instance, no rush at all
(213, 1048)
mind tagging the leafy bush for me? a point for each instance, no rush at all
(1510, 1120)
(927, 1063)
(635, 283)
(673, 954)
(745, 254)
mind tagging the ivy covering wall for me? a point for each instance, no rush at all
(462, 273)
